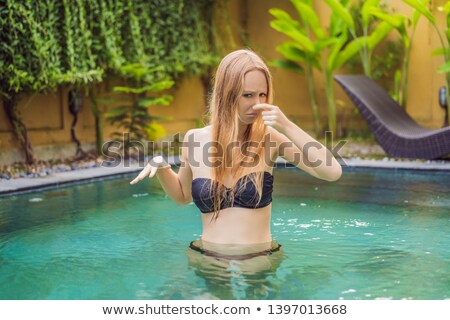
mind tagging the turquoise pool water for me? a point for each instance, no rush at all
(378, 234)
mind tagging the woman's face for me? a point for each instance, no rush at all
(255, 91)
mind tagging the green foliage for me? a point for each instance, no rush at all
(368, 32)
(301, 54)
(155, 131)
(353, 31)
(406, 27)
(49, 43)
(313, 47)
(143, 91)
(379, 62)
(46, 44)
(445, 44)
(29, 50)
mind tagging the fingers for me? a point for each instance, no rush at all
(270, 120)
(263, 106)
(144, 173)
(152, 172)
(269, 117)
(270, 123)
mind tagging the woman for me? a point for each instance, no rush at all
(227, 166)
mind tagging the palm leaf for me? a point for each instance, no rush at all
(342, 12)
(310, 17)
(287, 65)
(294, 33)
(420, 7)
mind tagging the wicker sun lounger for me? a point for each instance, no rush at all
(396, 132)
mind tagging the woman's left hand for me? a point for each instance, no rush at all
(272, 116)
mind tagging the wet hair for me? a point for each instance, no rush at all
(223, 111)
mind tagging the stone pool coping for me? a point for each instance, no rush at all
(58, 179)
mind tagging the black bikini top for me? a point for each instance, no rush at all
(245, 198)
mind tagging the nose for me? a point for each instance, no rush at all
(259, 99)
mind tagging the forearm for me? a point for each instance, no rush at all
(171, 184)
(314, 154)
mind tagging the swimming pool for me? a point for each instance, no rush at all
(371, 235)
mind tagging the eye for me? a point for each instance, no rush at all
(247, 95)
(263, 95)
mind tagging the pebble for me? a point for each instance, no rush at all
(17, 171)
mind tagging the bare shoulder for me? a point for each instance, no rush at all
(198, 134)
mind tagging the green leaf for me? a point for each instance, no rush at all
(294, 33)
(440, 51)
(380, 32)
(126, 89)
(365, 11)
(153, 87)
(332, 57)
(292, 51)
(310, 17)
(397, 21)
(420, 7)
(287, 65)
(162, 85)
(445, 68)
(147, 102)
(446, 7)
(329, 42)
(349, 51)
(342, 12)
(283, 16)
(141, 114)
(117, 111)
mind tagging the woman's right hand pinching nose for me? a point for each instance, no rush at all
(150, 169)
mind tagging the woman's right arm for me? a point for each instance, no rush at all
(176, 185)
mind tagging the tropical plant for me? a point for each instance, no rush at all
(326, 50)
(420, 8)
(143, 90)
(406, 26)
(383, 63)
(369, 31)
(298, 53)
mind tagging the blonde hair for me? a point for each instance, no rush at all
(223, 110)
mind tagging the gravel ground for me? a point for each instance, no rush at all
(46, 168)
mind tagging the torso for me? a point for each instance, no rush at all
(234, 225)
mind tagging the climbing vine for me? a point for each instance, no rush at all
(47, 44)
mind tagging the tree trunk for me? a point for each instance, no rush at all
(75, 104)
(19, 129)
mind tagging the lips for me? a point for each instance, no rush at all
(252, 114)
